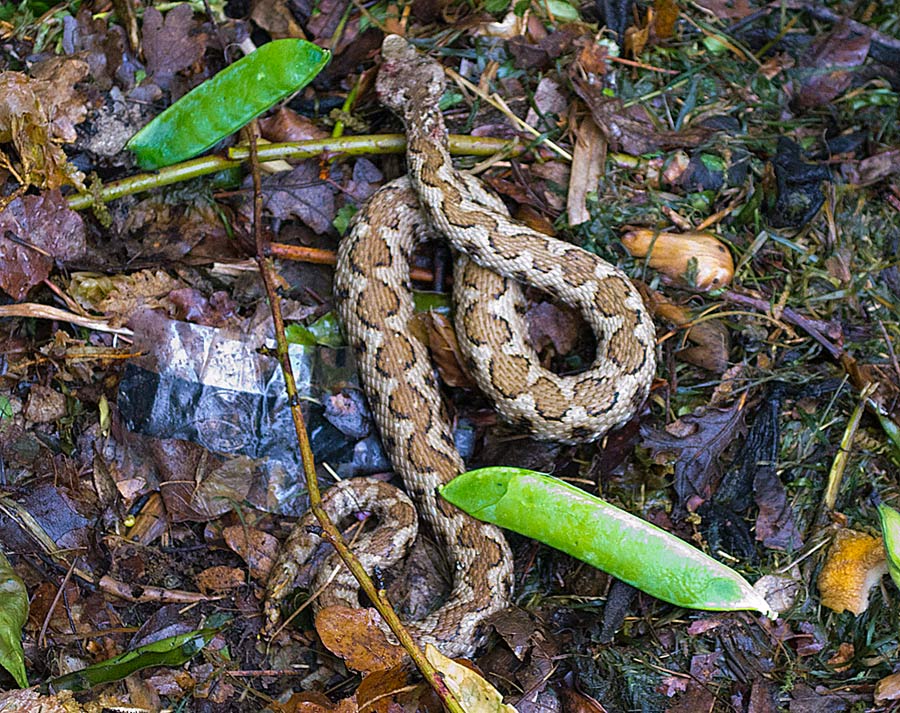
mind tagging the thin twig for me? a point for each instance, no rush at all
(330, 533)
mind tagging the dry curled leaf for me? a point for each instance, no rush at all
(855, 563)
(698, 259)
(474, 694)
(26, 123)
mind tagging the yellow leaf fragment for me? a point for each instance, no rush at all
(474, 694)
(856, 562)
(698, 259)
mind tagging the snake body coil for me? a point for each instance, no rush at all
(494, 254)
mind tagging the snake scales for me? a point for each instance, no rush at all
(375, 305)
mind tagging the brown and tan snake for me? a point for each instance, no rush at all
(375, 304)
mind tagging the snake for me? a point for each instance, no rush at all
(494, 257)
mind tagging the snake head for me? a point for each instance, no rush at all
(407, 78)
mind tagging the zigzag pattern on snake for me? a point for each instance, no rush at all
(494, 254)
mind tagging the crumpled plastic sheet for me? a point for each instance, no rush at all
(212, 387)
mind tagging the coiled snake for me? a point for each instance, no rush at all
(375, 304)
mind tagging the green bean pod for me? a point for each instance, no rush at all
(633, 550)
(890, 529)
(226, 102)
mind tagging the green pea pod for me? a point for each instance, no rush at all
(890, 529)
(173, 651)
(222, 105)
(584, 526)
(13, 615)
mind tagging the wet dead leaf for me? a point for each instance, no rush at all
(287, 125)
(577, 702)
(171, 44)
(730, 9)
(44, 404)
(118, 297)
(276, 18)
(394, 690)
(197, 486)
(34, 232)
(872, 169)
(826, 67)
(55, 82)
(629, 129)
(257, 548)
(664, 18)
(554, 328)
(695, 442)
(314, 702)
(301, 193)
(220, 578)
(354, 635)
(24, 121)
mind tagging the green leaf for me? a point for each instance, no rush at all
(173, 651)
(325, 331)
(13, 615)
(561, 10)
(342, 218)
(633, 550)
(496, 6)
(890, 529)
(222, 105)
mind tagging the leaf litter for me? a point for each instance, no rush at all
(774, 132)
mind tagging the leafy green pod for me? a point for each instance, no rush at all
(173, 651)
(633, 550)
(13, 615)
(226, 102)
(890, 529)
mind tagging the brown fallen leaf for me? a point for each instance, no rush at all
(276, 18)
(171, 44)
(287, 125)
(588, 158)
(354, 635)
(257, 548)
(872, 169)
(826, 68)
(665, 16)
(629, 130)
(314, 702)
(35, 231)
(30, 700)
(44, 404)
(219, 579)
(887, 689)
(709, 339)
(436, 330)
(26, 123)
(55, 87)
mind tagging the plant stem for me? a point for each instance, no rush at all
(347, 145)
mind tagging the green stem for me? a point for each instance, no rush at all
(347, 145)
